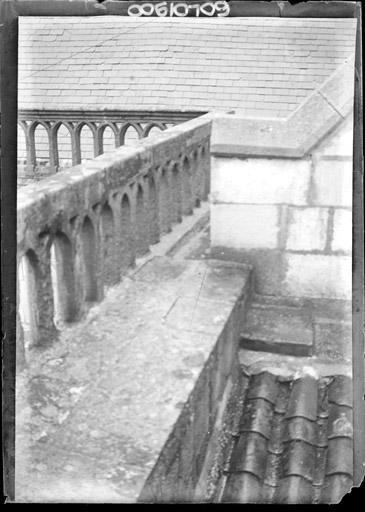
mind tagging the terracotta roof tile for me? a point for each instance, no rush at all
(294, 489)
(298, 459)
(340, 391)
(250, 454)
(258, 417)
(265, 59)
(241, 487)
(294, 441)
(263, 386)
(339, 456)
(301, 429)
(339, 421)
(335, 487)
(303, 399)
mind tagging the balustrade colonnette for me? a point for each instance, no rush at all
(79, 231)
(55, 137)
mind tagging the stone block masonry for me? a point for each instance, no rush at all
(307, 229)
(245, 225)
(282, 209)
(317, 275)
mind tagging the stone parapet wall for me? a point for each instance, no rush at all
(190, 463)
(79, 231)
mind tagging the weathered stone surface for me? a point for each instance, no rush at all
(333, 339)
(341, 142)
(302, 276)
(342, 230)
(259, 181)
(267, 265)
(333, 183)
(244, 226)
(307, 230)
(278, 329)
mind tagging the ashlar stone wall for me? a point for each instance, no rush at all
(289, 217)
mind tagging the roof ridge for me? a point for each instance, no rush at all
(320, 88)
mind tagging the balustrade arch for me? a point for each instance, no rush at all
(141, 224)
(152, 126)
(107, 230)
(138, 197)
(164, 201)
(28, 289)
(126, 126)
(34, 155)
(57, 155)
(102, 141)
(127, 247)
(205, 163)
(63, 279)
(176, 192)
(187, 199)
(132, 128)
(91, 146)
(89, 263)
(154, 230)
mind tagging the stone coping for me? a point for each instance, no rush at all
(295, 136)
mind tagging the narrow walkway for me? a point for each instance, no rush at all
(94, 410)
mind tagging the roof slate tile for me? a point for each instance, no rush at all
(232, 49)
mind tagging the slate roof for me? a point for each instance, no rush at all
(262, 67)
(294, 443)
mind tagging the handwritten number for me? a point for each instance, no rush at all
(203, 9)
(135, 13)
(221, 8)
(161, 9)
(150, 8)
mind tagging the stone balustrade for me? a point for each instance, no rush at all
(81, 230)
(60, 133)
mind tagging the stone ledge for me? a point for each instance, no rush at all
(279, 330)
(295, 136)
(181, 461)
